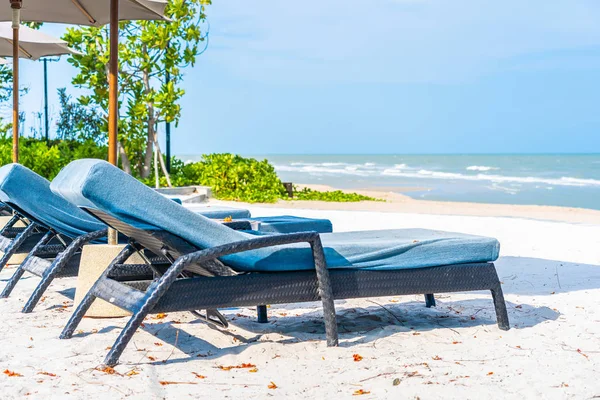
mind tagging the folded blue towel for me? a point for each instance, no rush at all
(31, 194)
(98, 185)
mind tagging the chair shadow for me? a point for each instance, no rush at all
(356, 325)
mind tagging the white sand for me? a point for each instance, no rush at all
(551, 279)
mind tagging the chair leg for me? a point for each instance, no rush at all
(21, 270)
(112, 358)
(16, 244)
(12, 282)
(77, 316)
(326, 293)
(500, 305)
(429, 300)
(41, 288)
(261, 311)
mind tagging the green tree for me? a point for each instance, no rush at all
(148, 52)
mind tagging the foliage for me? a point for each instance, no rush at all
(231, 177)
(48, 158)
(77, 122)
(149, 51)
(335, 195)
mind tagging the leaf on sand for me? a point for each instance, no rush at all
(132, 373)
(11, 373)
(490, 373)
(582, 353)
(197, 375)
(360, 392)
(165, 383)
(241, 366)
(357, 357)
(253, 370)
(159, 316)
(437, 358)
(107, 370)
(272, 385)
(151, 358)
(158, 344)
(46, 373)
(396, 382)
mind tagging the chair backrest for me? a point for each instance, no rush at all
(30, 193)
(96, 184)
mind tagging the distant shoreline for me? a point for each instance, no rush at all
(399, 203)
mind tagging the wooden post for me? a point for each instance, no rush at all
(113, 89)
(113, 94)
(16, 9)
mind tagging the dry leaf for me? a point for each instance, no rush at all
(230, 367)
(11, 373)
(253, 370)
(396, 382)
(132, 373)
(197, 375)
(272, 385)
(490, 373)
(437, 358)
(46, 373)
(107, 370)
(357, 357)
(360, 392)
(228, 219)
(151, 358)
(165, 383)
(582, 353)
(158, 344)
(159, 316)
(456, 342)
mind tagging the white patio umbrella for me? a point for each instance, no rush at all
(79, 12)
(32, 44)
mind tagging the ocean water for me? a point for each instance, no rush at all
(559, 180)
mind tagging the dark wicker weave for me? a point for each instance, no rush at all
(171, 292)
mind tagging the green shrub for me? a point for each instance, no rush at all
(335, 195)
(48, 158)
(233, 177)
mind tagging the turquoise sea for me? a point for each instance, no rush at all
(552, 179)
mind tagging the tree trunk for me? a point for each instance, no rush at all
(125, 163)
(162, 162)
(145, 169)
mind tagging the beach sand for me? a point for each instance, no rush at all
(550, 271)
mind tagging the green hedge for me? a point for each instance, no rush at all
(231, 177)
(48, 158)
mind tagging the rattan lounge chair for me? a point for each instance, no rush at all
(237, 269)
(57, 230)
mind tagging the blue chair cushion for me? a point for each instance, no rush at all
(291, 224)
(31, 193)
(221, 212)
(98, 185)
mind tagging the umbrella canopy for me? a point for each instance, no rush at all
(85, 12)
(32, 44)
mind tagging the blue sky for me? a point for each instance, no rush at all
(386, 76)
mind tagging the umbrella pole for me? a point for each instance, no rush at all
(16, 7)
(113, 105)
